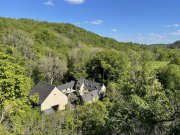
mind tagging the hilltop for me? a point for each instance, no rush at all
(175, 45)
(59, 34)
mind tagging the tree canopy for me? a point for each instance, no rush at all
(142, 81)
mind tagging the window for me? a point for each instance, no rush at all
(55, 107)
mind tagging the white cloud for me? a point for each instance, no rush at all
(172, 25)
(175, 33)
(139, 34)
(114, 30)
(150, 38)
(49, 3)
(154, 36)
(95, 22)
(176, 25)
(75, 1)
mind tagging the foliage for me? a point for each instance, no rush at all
(52, 68)
(175, 45)
(142, 81)
(107, 66)
(175, 59)
(13, 83)
(93, 117)
(169, 76)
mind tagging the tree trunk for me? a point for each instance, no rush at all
(2, 117)
(52, 79)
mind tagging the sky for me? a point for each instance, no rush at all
(139, 21)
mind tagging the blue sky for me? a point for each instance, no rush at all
(140, 21)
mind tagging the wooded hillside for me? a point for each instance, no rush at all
(142, 81)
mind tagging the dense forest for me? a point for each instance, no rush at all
(175, 45)
(143, 82)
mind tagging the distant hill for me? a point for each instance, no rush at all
(36, 39)
(65, 34)
(175, 45)
(55, 34)
(156, 45)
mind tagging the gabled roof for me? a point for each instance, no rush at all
(79, 83)
(43, 89)
(67, 85)
(90, 85)
(90, 95)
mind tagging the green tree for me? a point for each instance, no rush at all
(13, 82)
(107, 66)
(19, 40)
(93, 117)
(14, 88)
(52, 68)
(169, 76)
(175, 59)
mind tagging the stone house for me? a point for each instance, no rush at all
(52, 98)
(89, 90)
(69, 90)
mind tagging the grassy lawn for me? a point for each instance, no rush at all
(158, 64)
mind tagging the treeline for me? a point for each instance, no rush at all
(142, 96)
(175, 45)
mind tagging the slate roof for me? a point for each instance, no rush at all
(67, 85)
(43, 89)
(90, 85)
(79, 83)
(90, 95)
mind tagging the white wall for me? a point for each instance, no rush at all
(103, 89)
(56, 97)
(81, 90)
